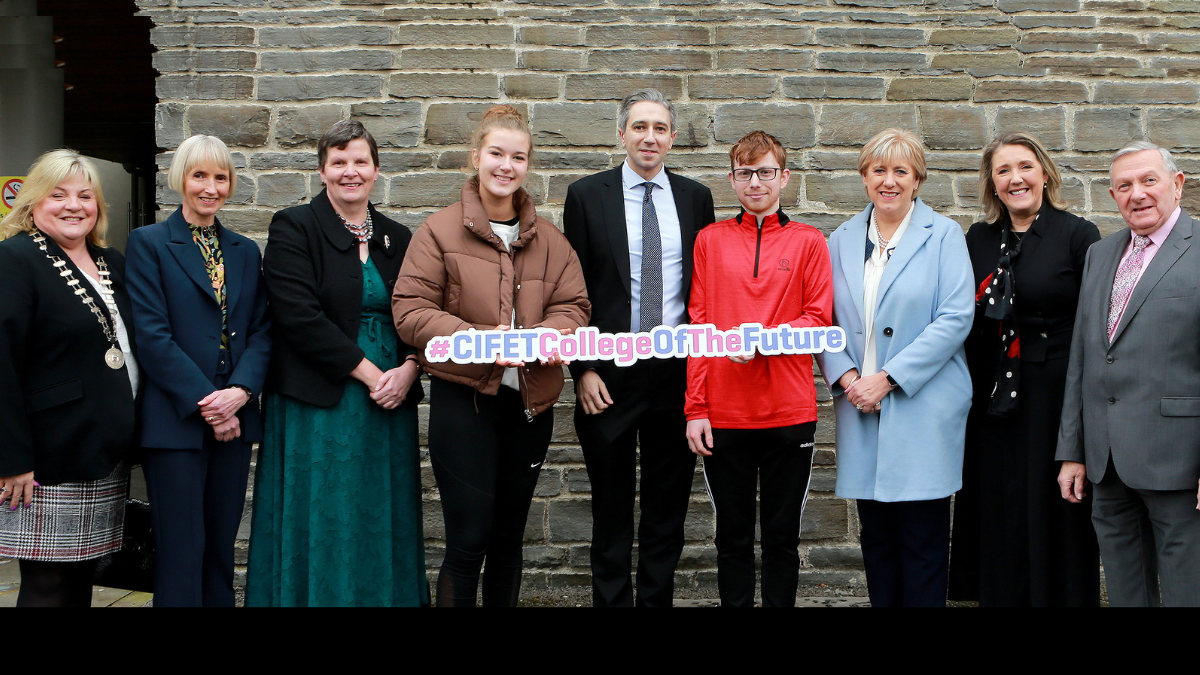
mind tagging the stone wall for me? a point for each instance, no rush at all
(269, 75)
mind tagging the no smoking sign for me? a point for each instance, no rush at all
(8, 193)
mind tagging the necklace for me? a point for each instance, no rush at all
(361, 232)
(113, 358)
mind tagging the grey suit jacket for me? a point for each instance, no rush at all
(1138, 398)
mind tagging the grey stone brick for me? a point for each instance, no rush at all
(974, 39)
(615, 86)
(555, 36)
(288, 161)
(953, 127)
(329, 36)
(979, 64)
(532, 86)
(245, 125)
(792, 123)
(574, 123)
(1177, 129)
(578, 481)
(1054, 21)
(764, 59)
(870, 37)
(302, 125)
(281, 189)
(839, 193)
(823, 480)
(1174, 42)
(824, 87)
(312, 62)
(1101, 200)
(549, 483)
(453, 159)
(1037, 5)
(782, 35)
(172, 36)
(1146, 92)
(552, 59)
(204, 87)
(967, 189)
(535, 528)
(1177, 66)
(1106, 128)
(1035, 91)
(223, 36)
(406, 161)
(251, 222)
(310, 87)
(824, 519)
(414, 13)
(668, 35)
(570, 520)
(1075, 41)
(395, 124)
(544, 557)
(173, 60)
(458, 59)
(425, 187)
(569, 160)
(661, 59)
(453, 34)
(208, 60)
(731, 86)
(869, 62)
(831, 161)
(1048, 124)
(880, 3)
(458, 85)
(850, 124)
(1085, 65)
(943, 88)
(168, 124)
(938, 193)
(835, 556)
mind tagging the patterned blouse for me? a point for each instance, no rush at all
(214, 263)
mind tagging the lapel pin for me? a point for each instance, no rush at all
(387, 242)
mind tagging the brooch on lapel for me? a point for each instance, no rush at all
(387, 242)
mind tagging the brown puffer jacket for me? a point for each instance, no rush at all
(457, 275)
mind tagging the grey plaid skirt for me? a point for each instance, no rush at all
(68, 522)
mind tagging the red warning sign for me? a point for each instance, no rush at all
(8, 193)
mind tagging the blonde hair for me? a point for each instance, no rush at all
(993, 207)
(48, 172)
(891, 144)
(197, 150)
(499, 116)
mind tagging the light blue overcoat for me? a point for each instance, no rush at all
(913, 449)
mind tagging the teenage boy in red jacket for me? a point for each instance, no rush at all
(752, 419)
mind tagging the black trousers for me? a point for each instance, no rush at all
(196, 503)
(486, 457)
(649, 414)
(906, 551)
(780, 460)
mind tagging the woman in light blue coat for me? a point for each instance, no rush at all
(903, 291)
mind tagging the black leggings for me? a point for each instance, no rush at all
(46, 583)
(486, 457)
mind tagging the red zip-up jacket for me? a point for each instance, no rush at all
(774, 274)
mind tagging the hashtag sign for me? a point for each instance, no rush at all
(438, 349)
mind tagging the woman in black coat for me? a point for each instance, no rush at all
(68, 380)
(1016, 542)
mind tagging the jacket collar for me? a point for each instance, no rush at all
(748, 219)
(476, 220)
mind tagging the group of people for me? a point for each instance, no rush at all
(1008, 366)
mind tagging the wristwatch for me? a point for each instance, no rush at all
(892, 382)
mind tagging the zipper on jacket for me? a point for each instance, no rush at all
(757, 246)
(525, 393)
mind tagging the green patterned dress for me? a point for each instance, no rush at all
(337, 493)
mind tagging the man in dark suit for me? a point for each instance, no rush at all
(633, 228)
(1131, 415)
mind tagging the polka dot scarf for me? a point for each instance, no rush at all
(995, 298)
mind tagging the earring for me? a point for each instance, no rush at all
(1045, 185)
(996, 193)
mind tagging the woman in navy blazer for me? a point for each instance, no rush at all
(200, 317)
(903, 291)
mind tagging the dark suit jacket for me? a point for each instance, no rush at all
(66, 415)
(314, 279)
(594, 222)
(1138, 398)
(178, 323)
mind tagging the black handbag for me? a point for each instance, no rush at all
(132, 567)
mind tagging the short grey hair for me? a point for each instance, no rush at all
(197, 150)
(651, 95)
(1138, 146)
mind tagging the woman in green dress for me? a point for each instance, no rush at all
(337, 495)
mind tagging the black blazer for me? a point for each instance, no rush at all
(314, 283)
(66, 415)
(178, 322)
(594, 222)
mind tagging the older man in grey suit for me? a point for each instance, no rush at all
(1131, 417)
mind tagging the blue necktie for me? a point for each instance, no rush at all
(651, 301)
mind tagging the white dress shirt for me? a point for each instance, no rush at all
(872, 274)
(674, 310)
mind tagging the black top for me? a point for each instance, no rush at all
(66, 415)
(1047, 275)
(314, 283)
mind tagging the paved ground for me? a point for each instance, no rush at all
(10, 582)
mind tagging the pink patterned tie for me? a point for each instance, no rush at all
(1124, 282)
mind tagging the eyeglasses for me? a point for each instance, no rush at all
(764, 174)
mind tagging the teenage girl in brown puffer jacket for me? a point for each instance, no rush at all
(489, 261)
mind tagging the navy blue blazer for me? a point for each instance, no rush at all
(177, 321)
